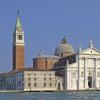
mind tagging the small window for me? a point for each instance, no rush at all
(34, 84)
(44, 79)
(35, 79)
(19, 37)
(29, 84)
(29, 79)
(50, 84)
(44, 84)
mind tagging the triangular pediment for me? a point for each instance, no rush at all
(90, 51)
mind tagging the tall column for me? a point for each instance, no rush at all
(85, 73)
(66, 77)
(79, 72)
(95, 72)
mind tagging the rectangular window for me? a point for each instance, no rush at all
(29, 79)
(44, 79)
(35, 79)
(44, 84)
(29, 84)
(34, 84)
(50, 84)
(19, 37)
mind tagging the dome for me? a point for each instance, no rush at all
(63, 47)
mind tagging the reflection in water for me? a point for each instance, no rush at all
(85, 95)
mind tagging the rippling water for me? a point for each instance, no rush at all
(85, 95)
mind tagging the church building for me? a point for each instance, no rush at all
(80, 70)
(65, 70)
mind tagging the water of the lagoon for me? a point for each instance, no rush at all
(85, 95)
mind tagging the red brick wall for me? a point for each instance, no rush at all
(43, 63)
(18, 57)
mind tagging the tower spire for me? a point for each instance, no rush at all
(18, 22)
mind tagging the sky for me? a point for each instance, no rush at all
(45, 23)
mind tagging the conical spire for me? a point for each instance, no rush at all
(18, 26)
(64, 40)
(18, 23)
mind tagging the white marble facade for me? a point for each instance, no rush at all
(84, 74)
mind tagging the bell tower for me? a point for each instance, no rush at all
(18, 45)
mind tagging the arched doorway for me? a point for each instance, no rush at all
(59, 83)
(59, 86)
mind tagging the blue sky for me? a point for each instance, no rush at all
(45, 22)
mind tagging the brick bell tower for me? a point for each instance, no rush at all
(18, 46)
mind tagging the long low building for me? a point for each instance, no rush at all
(29, 80)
